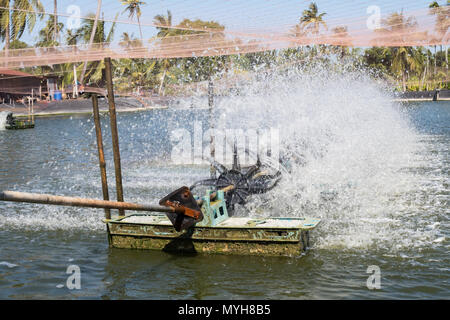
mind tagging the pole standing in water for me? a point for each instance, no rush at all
(101, 155)
(211, 125)
(114, 132)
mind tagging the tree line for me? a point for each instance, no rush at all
(407, 68)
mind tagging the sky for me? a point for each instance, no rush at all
(236, 15)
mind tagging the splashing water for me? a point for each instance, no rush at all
(355, 161)
(3, 116)
(353, 157)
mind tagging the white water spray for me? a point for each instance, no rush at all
(352, 155)
(355, 162)
(3, 116)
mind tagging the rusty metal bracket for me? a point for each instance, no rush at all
(186, 209)
(179, 208)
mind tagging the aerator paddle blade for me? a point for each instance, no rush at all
(187, 212)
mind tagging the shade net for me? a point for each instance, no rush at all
(416, 26)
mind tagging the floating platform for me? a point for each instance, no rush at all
(236, 235)
(20, 124)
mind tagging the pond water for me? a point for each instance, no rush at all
(387, 168)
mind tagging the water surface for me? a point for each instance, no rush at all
(402, 229)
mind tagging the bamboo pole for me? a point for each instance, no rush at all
(114, 132)
(101, 155)
(91, 39)
(14, 196)
(29, 109)
(48, 199)
(211, 126)
(75, 86)
(32, 106)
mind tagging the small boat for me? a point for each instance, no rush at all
(207, 225)
(235, 235)
(12, 123)
(190, 224)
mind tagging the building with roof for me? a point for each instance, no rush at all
(15, 85)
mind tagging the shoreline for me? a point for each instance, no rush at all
(66, 108)
(419, 99)
(73, 107)
(82, 113)
(430, 95)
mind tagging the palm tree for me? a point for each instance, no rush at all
(311, 20)
(134, 73)
(426, 54)
(89, 30)
(165, 64)
(134, 9)
(100, 36)
(14, 23)
(163, 21)
(442, 23)
(342, 41)
(92, 35)
(55, 22)
(405, 59)
(72, 37)
(47, 35)
(4, 23)
(129, 41)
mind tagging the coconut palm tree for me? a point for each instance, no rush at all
(100, 36)
(163, 21)
(15, 22)
(134, 9)
(72, 37)
(86, 31)
(92, 35)
(164, 64)
(47, 35)
(342, 41)
(129, 41)
(55, 22)
(405, 59)
(4, 23)
(135, 73)
(442, 14)
(311, 20)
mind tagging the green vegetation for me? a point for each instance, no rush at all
(134, 9)
(311, 20)
(406, 68)
(14, 23)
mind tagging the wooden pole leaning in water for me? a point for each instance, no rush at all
(114, 133)
(101, 155)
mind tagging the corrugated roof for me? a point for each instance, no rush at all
(10, 72)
